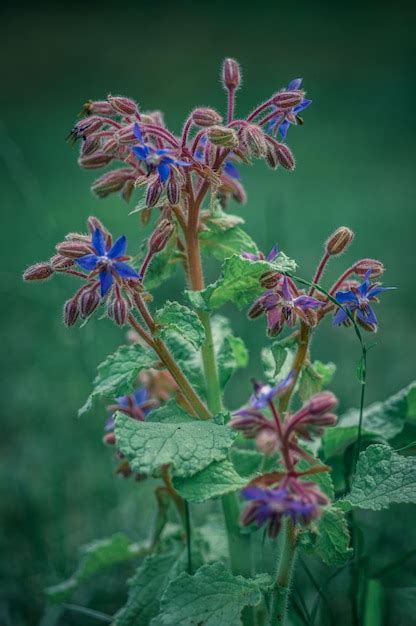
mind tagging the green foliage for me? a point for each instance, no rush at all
(163, 265)
(212, 597)
(329, 538)
(175, 317)
(187, 447)
(171, 413)
(314, 377)
(96, 557)
(382, 477)
(239, 282)
(214, 537)
(215, 480)
(222, 237)
(117, 374)
(381, 421)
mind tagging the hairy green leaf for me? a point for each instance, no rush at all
(214, 536)
(188, 447)
(239, 282)
(382, 477)
(175, 317)
(314, 377)
(116, 376)
(217, 479)
(222, 237)
(329, 538)
(170, 413)
(212, 597)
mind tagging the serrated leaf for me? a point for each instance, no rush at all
(145, 589)
(96, 557)
(329, 539)
(382, 477)
(222, 236)
(239, 282)
(212, 597)
(175, 317)
(187, 447)
(217, 479)
(117, 375)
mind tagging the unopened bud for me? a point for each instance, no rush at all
(94, 161)
(160, 236)
(339, 241)
(173, 191)
(321, 403)
(364, 265)
(109, 439)
(206, 117)
(267, 441)
(60, 263)
(268, 280)
(127, 190)
(231, 74)
(98, 107)
(124, 106)
(285, 156)
(118, 310)
(288, 99)
(90, 145)
(73, 249)
(88, 302)
(86, 127)
(38, 271)
(110, 146)
(153, 193)
(110, 182)
(223, 136)
(254, 141)
(71, 311)
(93, 223)
(126, 134)
(145, 215)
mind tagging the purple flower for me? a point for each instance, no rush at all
(292, 116)
(274, 252)
(357, 301)
(229, 168)
(137, 405)
(160, 159)
(108, 260)
(264, 393)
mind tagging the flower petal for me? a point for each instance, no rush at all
(231, 170)
(283, 128)
(164, 171)
(106, 280)
(340, 317)
(138, 133)
(346, 297)
(125, 270)
(118, 248)
(274, 252)
(88, 262)
(295, 84)
(98, 242)
(367, 316)
(141, 152)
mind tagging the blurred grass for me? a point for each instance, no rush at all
(355, 167)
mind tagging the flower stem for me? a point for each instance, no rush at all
(280, 594)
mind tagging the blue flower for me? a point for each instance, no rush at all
(137, 405)
(292, 118)
(357, 300)
(264, 393)
(229, 168)
(107, 261)
(160, 159)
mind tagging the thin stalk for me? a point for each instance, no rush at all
(280, 594)
(188, 529)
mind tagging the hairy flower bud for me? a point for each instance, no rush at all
(126, 135)
(288, 99)
(364, 265)
(98, 107)
(321, 403)
(285, 156)
(267, 441)
(90, 145)
(118, 310)
(124, 106)
(339, 241)
(231, 74)
(73, 249)
(109, 439)
(254, 141)
(173, 191)
(111, 182)
(223, 136)
(94, 161)
(60, 263)
(93, 223)
(86, 127)
(88, 302)
(127, 190)
(206, 117)
(38, 271)
(268, 280)
(271, 157)
(71, 311)
(153, 193)
(160, 236)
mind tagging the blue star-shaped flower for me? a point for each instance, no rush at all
(160, 159)
(357, 300)
(107, 260)
(284, 126)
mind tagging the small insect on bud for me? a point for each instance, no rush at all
(110, 182)
(118, 310)
(364, 265)
(88, 302)
(173, 191)
(60, 263)
(160, 236)
(254, 141)
(124, 106)
(73, 249)
(153, 193)
(268, 280)
(285, 156)
(339, 241)
(206, 117)
(231, 74)
(94, 161)
(71, 311)
(288, 99)
(39, 271)
(223, 136)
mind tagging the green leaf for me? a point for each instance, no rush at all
(239, 282)
(277, 362)
(175, 317)
(217, 479)
(330, 538)
(170, 413)
(145, 589)
(325, 370)
(381, 420)
(188, 447)
(96, 557)
(222, 237)
(117, 375)
(246, 462)
(382, 477)
(214, 535)
(163, 265)
(314, 377)
(212, 597)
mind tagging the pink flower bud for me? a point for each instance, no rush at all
(339, 241)
(118, 310)
(111, 182)
(254, 141)
(267, 441)
(73, 249)
(90, 145)
(223, 136)
(173, 191)
(38, 271)
(93, 223)
(160, 236)
(288, 99)
(153, 193)
(285, 156)
(71, 311)
(94, 161)
(271, 157)
(109, 439)
(98, 107)
(321, 403)
(126, 135)
(60, 263)
(231, 74)
(127, 190)
(364, 265)
(206, 117)
(86, 126)
(110, 146)
(124, 106)
(88, 302)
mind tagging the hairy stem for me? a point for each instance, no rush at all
(301, 354)
(281, 590)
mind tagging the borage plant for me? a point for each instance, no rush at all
(270, 461)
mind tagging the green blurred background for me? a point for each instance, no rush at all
(355, 159)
